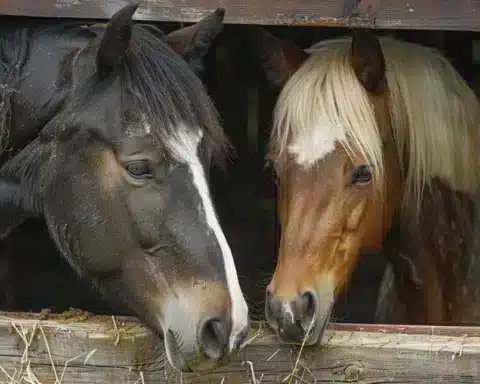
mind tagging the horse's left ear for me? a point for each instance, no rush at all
(194, 41)
(279, 59)
(115, 39)
(368, 61)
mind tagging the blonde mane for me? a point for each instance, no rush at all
(434, 114)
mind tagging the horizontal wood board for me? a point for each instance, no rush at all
(96, 349)
(414, 14)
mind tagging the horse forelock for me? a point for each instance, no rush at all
(433, 114)
(158, 87)
(169, 94)
(321, 105)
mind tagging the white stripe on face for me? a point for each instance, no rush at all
(309, 147)
(186, 149)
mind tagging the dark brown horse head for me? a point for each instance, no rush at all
(119, 174)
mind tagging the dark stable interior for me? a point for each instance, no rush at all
(38, 278)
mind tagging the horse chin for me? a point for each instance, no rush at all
(197, 364)
(313, 331)
(315, 335)
(174, 353)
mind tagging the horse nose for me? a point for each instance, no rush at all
(291, 319)
(213, 335)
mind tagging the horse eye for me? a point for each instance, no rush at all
(139, 169)
(361, 175)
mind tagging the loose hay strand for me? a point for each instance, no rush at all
(141, 380)
(89, 354)
(307, 334)
(25, 374)
(10, 378)
(117, 340)
(252, 372)
(57, 381)
(251, 339)
(273, 354)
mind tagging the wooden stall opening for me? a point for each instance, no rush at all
(44, 339)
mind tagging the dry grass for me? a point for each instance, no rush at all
(141, 380)
(248, 362)
(23, 373)
(117, 340)
(292, 364)
(295, 367)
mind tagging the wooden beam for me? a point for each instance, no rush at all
(416, 14)
(83, 349)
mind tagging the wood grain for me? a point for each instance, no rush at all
(418, 14)
(376, 354)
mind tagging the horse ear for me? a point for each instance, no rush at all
(115, 39)
(368, 61)
(193, 42)
(279, 59)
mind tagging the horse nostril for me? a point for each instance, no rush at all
(308, 308)
(212, 337)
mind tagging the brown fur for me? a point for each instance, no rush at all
(376, 120)
(431, 259)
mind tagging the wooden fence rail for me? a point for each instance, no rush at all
(81, 349)
(416, 14)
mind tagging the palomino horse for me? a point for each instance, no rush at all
(370, 137)
(110, 133)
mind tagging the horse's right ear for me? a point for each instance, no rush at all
(279, 59)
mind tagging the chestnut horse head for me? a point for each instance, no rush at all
(358, 128)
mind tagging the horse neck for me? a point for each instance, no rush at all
(431, 254)
(468, 298)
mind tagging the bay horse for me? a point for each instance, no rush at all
(107, 134)
(374, 146)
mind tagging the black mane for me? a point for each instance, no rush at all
(166, 88)
(13, 54)
(160, 82)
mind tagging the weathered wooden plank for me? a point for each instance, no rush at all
(420, 14)
(97, 350)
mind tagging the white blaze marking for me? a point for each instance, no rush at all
(287, 309)
(310, 146)
(186, 149)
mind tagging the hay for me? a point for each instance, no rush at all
(24, 373)
(252, 339)
(248, 362)
(117, 340)
(141, 380)
(273, 354)
(293, 374)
